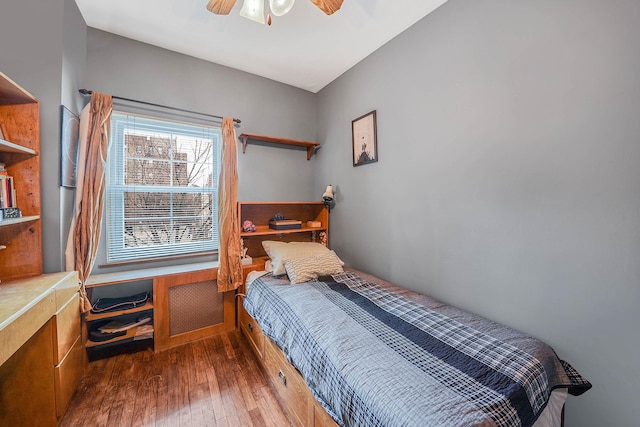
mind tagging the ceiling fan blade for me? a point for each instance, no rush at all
(328, 6)
(221, 7)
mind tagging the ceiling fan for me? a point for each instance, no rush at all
(254, 9)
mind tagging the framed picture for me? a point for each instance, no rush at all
(69, 135)
(365, 144)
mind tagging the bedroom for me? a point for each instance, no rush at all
(507, 182)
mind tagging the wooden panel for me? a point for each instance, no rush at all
(161, 285)
(289, 385)
(67, 375)
(26, 383)
(66, 328)
(252, 331)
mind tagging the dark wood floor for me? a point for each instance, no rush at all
(213, 382)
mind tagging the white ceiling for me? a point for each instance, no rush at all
(305, 48)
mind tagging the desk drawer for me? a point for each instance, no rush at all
(288, 382)
(66, 328)
(67, 375)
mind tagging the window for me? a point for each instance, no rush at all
(161, 188)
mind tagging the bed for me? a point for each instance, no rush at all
(374, 354)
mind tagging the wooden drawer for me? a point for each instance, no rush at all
(252, 331)
(289, 385)
(67, 375)
(66, 328)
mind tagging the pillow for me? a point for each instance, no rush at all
(279, 251)
(303, 269)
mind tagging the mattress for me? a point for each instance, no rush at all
(374, 354)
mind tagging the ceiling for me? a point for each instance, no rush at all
(305, 48)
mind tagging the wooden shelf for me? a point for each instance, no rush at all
(12, 93)
(310, 146)
(261, 212)
(107, 315)
(11, 221)
(131, 333)
(10, 147)
(264, 230)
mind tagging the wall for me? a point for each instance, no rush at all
(131, 69)
(32, 34)
(508, 180)
(74, 57)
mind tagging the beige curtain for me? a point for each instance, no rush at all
(84, 234)
(230, 269)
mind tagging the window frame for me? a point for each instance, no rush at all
(116, 188)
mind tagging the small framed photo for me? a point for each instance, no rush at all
(69, 139)
(3, 132)
(365, 144)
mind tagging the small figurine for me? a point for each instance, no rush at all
(323, 238)
(243, 250)
(248, 226)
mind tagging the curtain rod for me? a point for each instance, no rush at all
(89, 92)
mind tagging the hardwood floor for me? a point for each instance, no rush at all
(213, 382)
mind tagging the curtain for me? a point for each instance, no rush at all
(230, 267)
(84, 234)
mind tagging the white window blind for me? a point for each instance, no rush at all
(161, 193)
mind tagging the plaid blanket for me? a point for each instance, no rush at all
(376, 355)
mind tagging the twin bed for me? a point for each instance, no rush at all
(374, 354)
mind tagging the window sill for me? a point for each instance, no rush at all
(96, 280)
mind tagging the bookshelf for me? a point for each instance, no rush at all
(20, 238)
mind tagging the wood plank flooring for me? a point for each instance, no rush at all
(212, 382)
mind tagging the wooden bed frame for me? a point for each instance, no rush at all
(293, 394)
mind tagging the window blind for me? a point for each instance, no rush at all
(162, 182)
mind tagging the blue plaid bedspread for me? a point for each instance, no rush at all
(377, 355)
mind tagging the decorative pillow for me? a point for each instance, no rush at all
(279, 251)
(303, 269)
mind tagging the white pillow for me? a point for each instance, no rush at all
(279, 251)
(303, 269)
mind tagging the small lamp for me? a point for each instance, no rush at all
(327, 197)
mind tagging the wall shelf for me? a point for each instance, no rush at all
(10, 147)
(310, 146)
(11, 221)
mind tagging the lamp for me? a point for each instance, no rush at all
(327, 197)
(254, 9)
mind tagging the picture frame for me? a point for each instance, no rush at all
(69, 142)
(365, 139)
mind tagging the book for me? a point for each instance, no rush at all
(285, 224)
(314, 224)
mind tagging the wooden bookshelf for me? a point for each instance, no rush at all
(19, 151)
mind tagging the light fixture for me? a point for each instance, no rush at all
(280, 7)
(254, 9)
(327, 197)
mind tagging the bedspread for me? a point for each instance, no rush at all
(377, 355)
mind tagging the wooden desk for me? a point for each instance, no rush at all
(40, 357)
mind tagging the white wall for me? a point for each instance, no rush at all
(508, 180)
